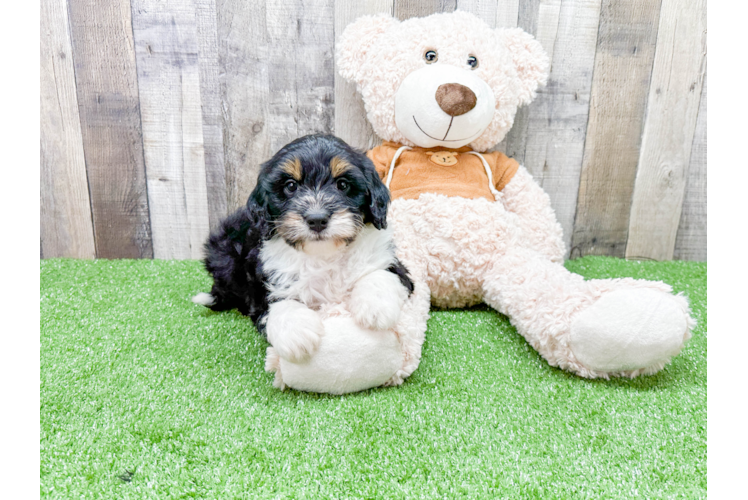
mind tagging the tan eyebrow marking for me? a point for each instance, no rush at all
(292, 168)
(339, 166)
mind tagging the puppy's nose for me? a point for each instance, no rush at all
(455, 99)
(317, 221)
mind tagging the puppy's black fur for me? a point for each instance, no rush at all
(233, 251)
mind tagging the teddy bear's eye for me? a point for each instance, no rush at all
(430, 56)
(472, 62)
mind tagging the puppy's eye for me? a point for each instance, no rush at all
(290, 187)
(343, 184)
(472, 61)
(430, 56)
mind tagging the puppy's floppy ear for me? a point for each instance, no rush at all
(355, 42)
(257, 210)
(377, 197)
(530, 60)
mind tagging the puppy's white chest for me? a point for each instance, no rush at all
(313, 278)
(323, 273)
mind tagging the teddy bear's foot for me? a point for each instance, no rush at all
(349, 359)
(272, 365)
(630, 332)
(397, 379)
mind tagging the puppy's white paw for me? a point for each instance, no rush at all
(294, 330)
(377, 299)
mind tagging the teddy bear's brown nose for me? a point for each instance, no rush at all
(455, 99)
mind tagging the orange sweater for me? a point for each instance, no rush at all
(452, 172)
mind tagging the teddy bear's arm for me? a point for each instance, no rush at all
(526, 199)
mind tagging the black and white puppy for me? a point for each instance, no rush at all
(313, 235)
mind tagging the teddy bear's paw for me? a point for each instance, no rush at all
(376, 301)
(272, 365)
(628, 331)
(294, 330)
(397, 379)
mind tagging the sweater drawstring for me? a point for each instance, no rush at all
(496, 194)
(392, 165)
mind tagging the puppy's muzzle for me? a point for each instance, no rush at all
(317, 220)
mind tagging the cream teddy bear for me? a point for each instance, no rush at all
(472, 225)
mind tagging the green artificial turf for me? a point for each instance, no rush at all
(147, 395)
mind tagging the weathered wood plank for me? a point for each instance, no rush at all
(690, 243)
(549, 138)
(107, 92)
(620, 85)
(405, 9)
(540, 19)
(484, 9)
(507, 14)
(243, 76)
(495, 13)
(210, 96)
(66, 226)
(545, 24)
(302, 93)
(672, 109)
(251, 76)
(169, 82)
(351, 124)
(277, 81)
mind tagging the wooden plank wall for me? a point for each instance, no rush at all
(66, 226)
(109, 109)
(156, 115)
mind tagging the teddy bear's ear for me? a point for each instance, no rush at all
(530, 60)
(356, 40)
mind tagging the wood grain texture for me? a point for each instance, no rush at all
(495, 13)
(243, 61)
(484, 9)
(210, 97)
(405, 9)
(166, 47)
(691, 241)
(109, 108)
(623, 66)
(617, 137)
(351, 124)
(277, 79)
(66, 226)
(487, 10)
(672, 109)
(507, 14)
(539, 18)
(549, 140)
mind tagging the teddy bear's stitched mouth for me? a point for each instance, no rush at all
(445, 135)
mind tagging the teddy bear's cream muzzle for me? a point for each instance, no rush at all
(443, 105)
